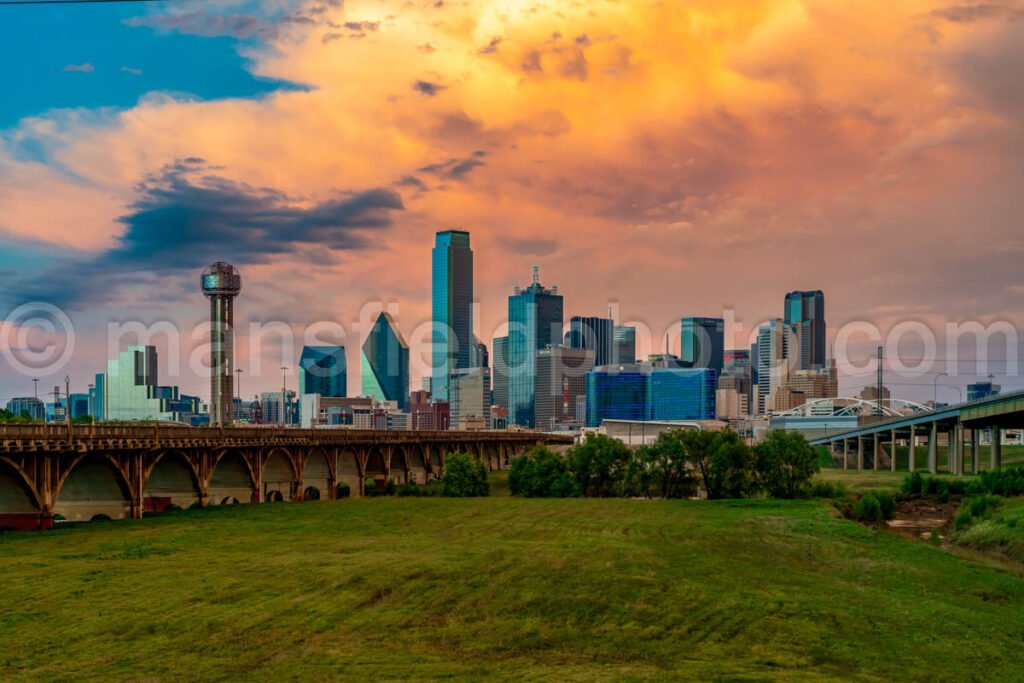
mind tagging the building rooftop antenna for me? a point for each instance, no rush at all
(536, 275)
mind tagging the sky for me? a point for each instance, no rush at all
(666, 158)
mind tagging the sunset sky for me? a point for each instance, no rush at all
(675, 158)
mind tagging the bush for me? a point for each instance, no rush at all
(414, 490)
(872, 507)
(913, 485)
(785, 464)
(541, 473)
(344, 490)
(821, 488)
(973, 508)
(661, 469)
(464, 477)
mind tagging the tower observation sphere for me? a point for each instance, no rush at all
(221, 283)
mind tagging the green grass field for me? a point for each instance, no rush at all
(500, 588)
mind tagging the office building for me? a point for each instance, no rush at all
(594, 334)
(535, 321)
(323, 370)
(469, 396)
(131, 391)
(807, 309)
(702, 343)
(561, 380)
(221, 283)
(452, 302)
(271, 408)
(775, 339)
(645, 393)
(386, 363)
(30, 406)
(481, 357)
(625, 345)
(499, 372)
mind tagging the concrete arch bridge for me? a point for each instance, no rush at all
(118, 472)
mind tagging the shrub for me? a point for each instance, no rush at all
(785, 464)
(464, 477)
(661, 469)
(913, 484)
(873, 507)
(820, 488)
(541, 473)
(414, 490)
(344, 490)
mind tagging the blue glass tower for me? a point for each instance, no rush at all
(535, 321)
(452, 302)
(323, 370)
(386, 363)
(594, 334)
(644, 393)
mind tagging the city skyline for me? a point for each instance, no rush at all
(759, 177)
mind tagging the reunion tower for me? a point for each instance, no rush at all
(221, 283)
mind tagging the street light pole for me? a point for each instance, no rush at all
(92, 404)
(67, 400)
(935, 390)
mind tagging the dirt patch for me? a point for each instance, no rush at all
(920, 517)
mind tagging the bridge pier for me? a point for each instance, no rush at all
(860, 453)
(997, 448)
(892, 450)
(875, 451)
(974, 450)
(933, 448)
(957, 449)
(846, 454)
(912, 444)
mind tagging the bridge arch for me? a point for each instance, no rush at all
(417, 465)
(349, 472)
(171, 480)
(437, 460)
(316, 475)
(279, 476)
(376, 467)
(17, 494)
(399, 465)
(232, 480)
(93, 488)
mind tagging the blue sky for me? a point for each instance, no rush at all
(88, 56)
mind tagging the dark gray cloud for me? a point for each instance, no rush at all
(186, 217)
(491, 47)
(427, 88)
(530, 247)
(411, 181)
(965, 14)
(199, 23)
(456, 169)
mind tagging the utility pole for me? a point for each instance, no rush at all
(878, 398)
(56, 400)
(67, 400)
(92, 404)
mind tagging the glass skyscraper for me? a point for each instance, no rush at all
(386, 363)
(535, 321)
(643, 393)
(131, 390)
(702, 343)
(323, 370)
(499, 374)
(625, 345)
(452, 302)
(593, 334)
(808, 310)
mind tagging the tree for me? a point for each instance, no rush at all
(464, 477)
(599, 465)
(661, 469)
(723, 460)
(785, 463)
(541, 473)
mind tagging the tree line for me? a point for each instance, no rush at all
(679, 464)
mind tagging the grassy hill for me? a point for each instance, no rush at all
(500, 588)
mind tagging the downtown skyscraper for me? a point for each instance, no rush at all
(385, 366)
(702, 343)
(535, 319)
(807, 309)
(452, 303)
